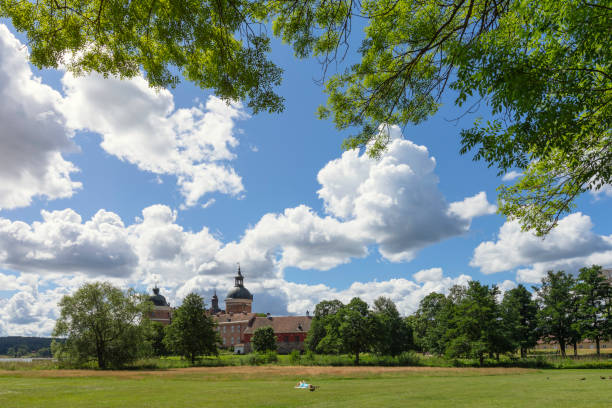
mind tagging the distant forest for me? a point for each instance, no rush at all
(10, 345)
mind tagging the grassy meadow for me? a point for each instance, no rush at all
(272, 386)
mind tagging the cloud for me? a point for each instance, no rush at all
(395, 201)
(605, 190)
(141, 125)
(428, 275)
(63, 243)
(137, 124)
(405, 293)
(393, 204)
(511, 175)
(472, 207)
(572, 244)
(33, 137)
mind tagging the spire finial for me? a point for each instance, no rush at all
(239, 274)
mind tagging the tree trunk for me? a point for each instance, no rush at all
(100, 355)
(481, 358)
(575, 349)
(523, 352)
(562, 348)
(357, 358)
(597, 345)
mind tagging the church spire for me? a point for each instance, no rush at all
(238, 280)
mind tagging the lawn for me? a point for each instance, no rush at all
(272, 386)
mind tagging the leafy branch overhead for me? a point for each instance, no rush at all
(542, 68)
(215, 44)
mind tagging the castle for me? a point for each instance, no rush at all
(237, 323)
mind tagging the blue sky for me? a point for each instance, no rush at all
(104, 179)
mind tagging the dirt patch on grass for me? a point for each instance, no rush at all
(254, 372)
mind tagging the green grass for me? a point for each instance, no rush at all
(259, 387)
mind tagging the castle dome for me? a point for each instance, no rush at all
(157, 299)
(239, 291)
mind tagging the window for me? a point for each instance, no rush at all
(224, 329)
(232, 340)
(232, 329)
(287, 339)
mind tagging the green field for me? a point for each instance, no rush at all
(272, 386)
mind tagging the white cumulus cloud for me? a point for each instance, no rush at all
(33, 136)
(571, 245)
(141, 125)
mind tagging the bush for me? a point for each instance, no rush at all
(294, 357)
(258, 358)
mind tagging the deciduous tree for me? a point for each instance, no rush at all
(355, 327)
(317, 340)
(264, 339)
(477, 326)
(432, 321)
(102, 323)
(557, 305)
(519, 316)
(594, 305)
(393, 334)
(191, 333)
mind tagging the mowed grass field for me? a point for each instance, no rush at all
(272, 386)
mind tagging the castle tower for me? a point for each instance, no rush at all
(215, 304)
(239, 299)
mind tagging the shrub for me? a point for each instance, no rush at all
(294, 357)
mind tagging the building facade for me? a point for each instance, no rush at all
(237, 323)
(290, 331)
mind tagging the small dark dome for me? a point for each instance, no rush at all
(239, 292)
(157, 299)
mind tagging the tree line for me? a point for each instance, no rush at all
(103, 324)
(18, 346)
(473, 321)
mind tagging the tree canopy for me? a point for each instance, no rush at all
(543, 69)
(191, 332)
(264, 339)
(594, 294)
(102, 323)
(557, 308)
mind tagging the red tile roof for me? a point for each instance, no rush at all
(282, 324)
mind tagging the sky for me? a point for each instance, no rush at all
(104, 179)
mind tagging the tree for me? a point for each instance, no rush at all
(192, 332)
(432, 321)
(324, 312)
(519, 315)
(556, 312)
(102, 323)
(477, 328)
(594, 305)
(214, 44)
(156, 336)
(543, 68)
(264, 339)
(394, 335)
(355, 327)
